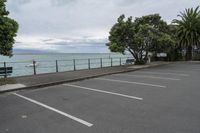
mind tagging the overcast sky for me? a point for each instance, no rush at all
(80, 25)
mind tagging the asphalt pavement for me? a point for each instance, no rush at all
(162, 99)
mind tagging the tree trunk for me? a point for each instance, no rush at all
(138, 60)
(189, 53)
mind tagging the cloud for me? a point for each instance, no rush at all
(62, 2)
(81, 21)
(70, 45)
(16, 5)
(18, 2)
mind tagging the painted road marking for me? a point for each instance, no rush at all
(171, 71)
(146, 76)
(101, 91)
(176, 74)
(138, 83)
(55, 110)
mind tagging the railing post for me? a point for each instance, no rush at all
(101, 62)
(56, 65)
(34, 68)
(5, 76)
(111, 62)
(88, 63)
(74, 62)
(120, 61)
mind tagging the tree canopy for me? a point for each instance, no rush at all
(188, 31)
(8, 30)
(145, 34)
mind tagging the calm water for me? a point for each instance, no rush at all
(46, 63)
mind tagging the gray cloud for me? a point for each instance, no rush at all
(62, 2)
(15, 5)
(82, 21)
(19, 2)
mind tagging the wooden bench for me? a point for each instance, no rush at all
(5, 71)
(130, 61)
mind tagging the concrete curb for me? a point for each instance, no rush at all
(38, 86)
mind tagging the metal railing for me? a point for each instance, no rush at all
(35, 67)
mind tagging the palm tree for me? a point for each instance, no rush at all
(188, 31)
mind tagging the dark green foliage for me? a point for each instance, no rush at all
(188, 31)
(8, 30)
(141, 36)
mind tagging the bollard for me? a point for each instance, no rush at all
(74, 62)
(56, 65)
(5, 76)
(120, 61)
(34, 68)
(111, 62)
(88, 63)
(101, 63)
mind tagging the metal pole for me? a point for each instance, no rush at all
(192, 52)
(56, 65)
(5, 76)
(88, 63)
(34, 68)
(120, 61)
(111, 62)
(74, 62)
(101, 62)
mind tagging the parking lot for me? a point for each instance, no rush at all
(162, 99)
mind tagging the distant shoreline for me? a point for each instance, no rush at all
(57, 53)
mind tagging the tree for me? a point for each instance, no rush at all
(161, 39)
(188, 31)
(143, 35)
(8, 30)
(175, 51)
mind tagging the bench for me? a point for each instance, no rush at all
(5, 71)
(130, 61)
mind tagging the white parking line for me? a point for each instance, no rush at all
(138, 83)
(101, 91)
(176, 74)
(172, 71)
(147, 76)
(55, 110)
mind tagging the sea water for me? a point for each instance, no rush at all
(46, 63)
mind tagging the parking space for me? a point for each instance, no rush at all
(162, 99)
(154, 79)
(179, 68)
(21, 116)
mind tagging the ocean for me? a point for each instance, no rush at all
(46, 63)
